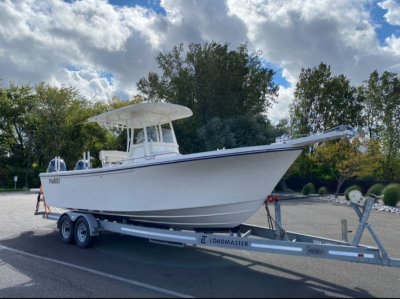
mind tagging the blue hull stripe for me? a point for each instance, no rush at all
(158, 163)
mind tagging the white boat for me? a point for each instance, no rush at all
(151, 182)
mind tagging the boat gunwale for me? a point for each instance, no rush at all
(171, 160)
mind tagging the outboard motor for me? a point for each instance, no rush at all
(82, 164)
(53, 165)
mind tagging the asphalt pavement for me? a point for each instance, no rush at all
(35, 263)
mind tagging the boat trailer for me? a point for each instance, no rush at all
(81, 226)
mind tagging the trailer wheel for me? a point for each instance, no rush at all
(66, 230)
(82, 233)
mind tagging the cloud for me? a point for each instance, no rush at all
(393, 44)
(392, 16)
(41, 40)
(90, 83)
(41, 37)
(301, 34)
(198, 21)
(393, 11)
(281, 109)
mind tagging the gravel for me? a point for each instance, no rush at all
(377, 206)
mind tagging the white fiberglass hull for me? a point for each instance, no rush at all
(219, 189)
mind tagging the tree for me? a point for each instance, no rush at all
(16, 103)
(41, 122)
(322, 101)
(373, 105)
(391, 120)
(218, 84)
(346, 159)
(61, 128)
(382, 116)
(237, 131)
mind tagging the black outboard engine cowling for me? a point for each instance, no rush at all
(53, 165)
(82, 164)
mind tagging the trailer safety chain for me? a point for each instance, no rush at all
(269, 217)
(271, 222)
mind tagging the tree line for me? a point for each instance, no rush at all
(322, 101)
(230, 93)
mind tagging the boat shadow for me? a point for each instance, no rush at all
(198, 272)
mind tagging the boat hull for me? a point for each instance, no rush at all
(220, 189)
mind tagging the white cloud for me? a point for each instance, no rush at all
(88, 82)
(281, 109)
(393, 11)
(301, 34)
(392, 16)
(42, 37)
(393, 43)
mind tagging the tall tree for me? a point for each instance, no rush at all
(218, 84)
(373, 105)
(382, 116)
(16, 103)
(322, 101)
(391, 120)
(59, 120)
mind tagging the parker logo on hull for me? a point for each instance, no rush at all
(54, 180)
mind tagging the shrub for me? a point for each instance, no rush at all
(391, 194)
(323, 190)
(308, 188)
(376, 189)
(351, 188)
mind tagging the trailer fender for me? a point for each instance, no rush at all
(93, 224)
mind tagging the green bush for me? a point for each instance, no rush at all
(391, 194)
(376, 189)
(351, 188)
(308, 188)
(323, 190)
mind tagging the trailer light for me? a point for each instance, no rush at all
(273, 197)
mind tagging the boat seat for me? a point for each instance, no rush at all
(112, 157)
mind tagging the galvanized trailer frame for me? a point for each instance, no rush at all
(81, 226)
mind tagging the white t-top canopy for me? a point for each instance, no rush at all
(142, 115)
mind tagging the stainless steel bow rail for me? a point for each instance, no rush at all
(81, 227)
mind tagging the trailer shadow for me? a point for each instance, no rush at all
(197, 272)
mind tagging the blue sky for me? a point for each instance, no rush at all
(152, 4)
(383, 29)
(103, 47)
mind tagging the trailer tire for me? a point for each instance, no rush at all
(82, 233)
(66, 230)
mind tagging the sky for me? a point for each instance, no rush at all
(103, 47)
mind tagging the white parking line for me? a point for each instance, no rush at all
(129, 281)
